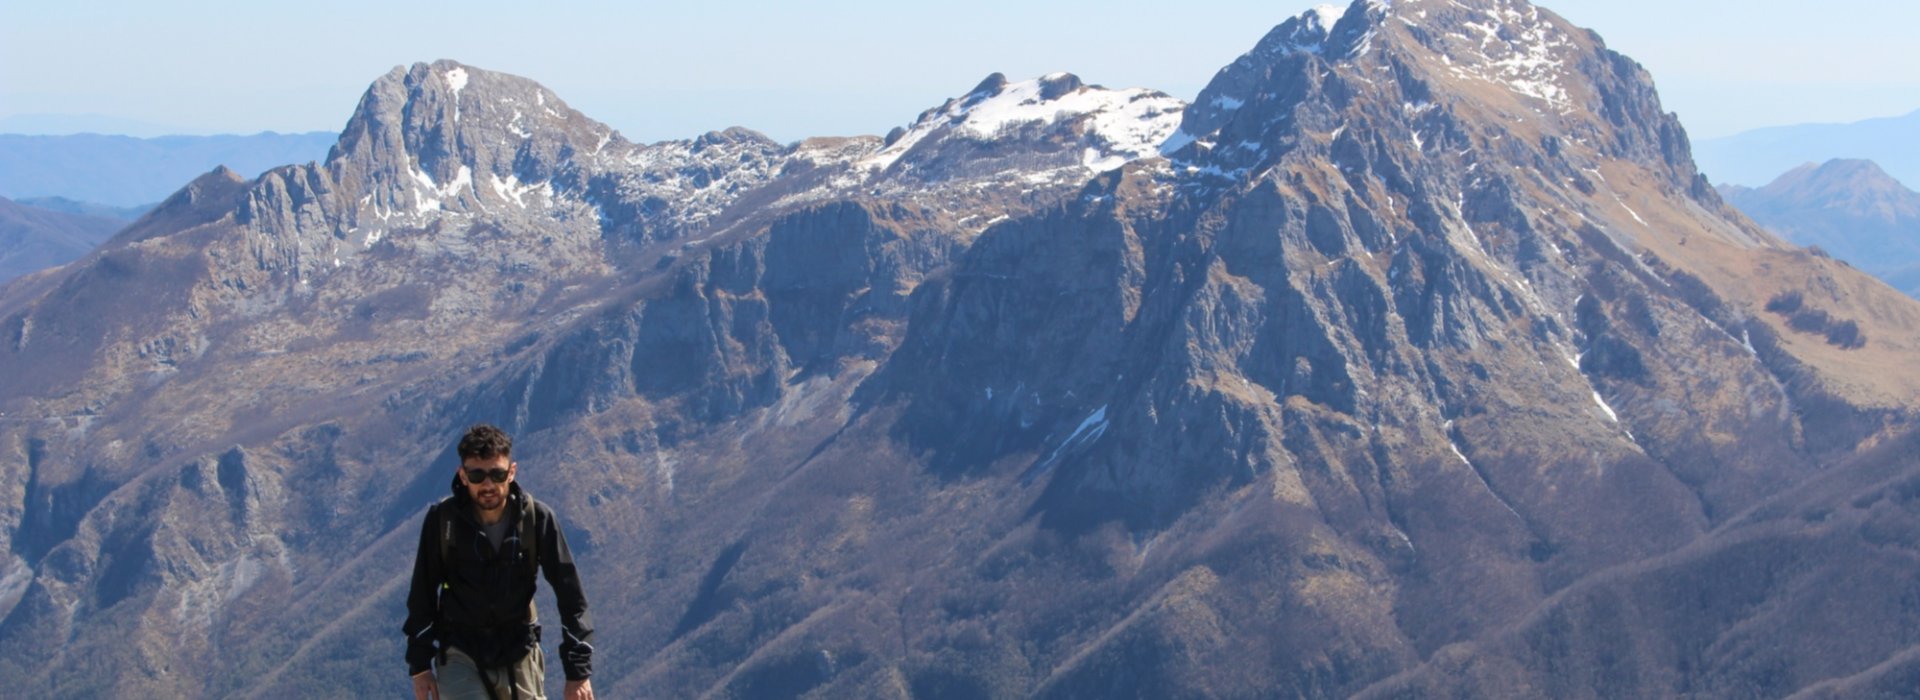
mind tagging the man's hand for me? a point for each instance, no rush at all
(580, 690)
(426, 688)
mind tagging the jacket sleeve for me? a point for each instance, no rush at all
(556, 563)
(423, 598)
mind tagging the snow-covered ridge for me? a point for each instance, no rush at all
(1123, 125)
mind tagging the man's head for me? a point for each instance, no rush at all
(487, 466)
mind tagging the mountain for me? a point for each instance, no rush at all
(69, 206)
(55, 124)
(1850, 209)
(1753, 158)
(1414, 357)
(34, 238)
(123, 171)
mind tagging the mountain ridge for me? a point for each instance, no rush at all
(35, 237)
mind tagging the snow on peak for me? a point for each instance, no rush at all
(1122, 125)
(1323, 17)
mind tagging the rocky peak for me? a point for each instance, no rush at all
(1425, 91)
(992, 85)
(450, 136)
(444, 149)
(206, 198)
(1239, 81)
(1054, 86)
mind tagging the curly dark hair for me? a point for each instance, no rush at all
(485, 442)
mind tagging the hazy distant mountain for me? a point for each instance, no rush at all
(65, 124)
(1754, 158)
(104, 211)
(34, 238)
(1849, 208)
(1413, 358)
(124, 171)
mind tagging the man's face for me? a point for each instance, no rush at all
(487, 494)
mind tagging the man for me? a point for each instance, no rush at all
(473, 583)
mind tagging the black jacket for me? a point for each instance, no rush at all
(481, 598)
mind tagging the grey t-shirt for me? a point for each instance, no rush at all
(496, 533)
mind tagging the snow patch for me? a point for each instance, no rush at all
(1615, 417)
(1090, 430)
(428, 195)
(1093, 427)
(511, 190)
(1630, 211)
(1177, 141)
(456, 80)
(464, 178)
(1455, 446)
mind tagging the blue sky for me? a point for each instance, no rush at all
(838, 67)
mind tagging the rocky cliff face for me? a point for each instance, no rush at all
(1410, 351)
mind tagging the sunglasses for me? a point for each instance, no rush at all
(480, 476)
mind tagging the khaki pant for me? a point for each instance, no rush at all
(461, 679)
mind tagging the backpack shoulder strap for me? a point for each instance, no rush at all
(443, 528)
(529, 532)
